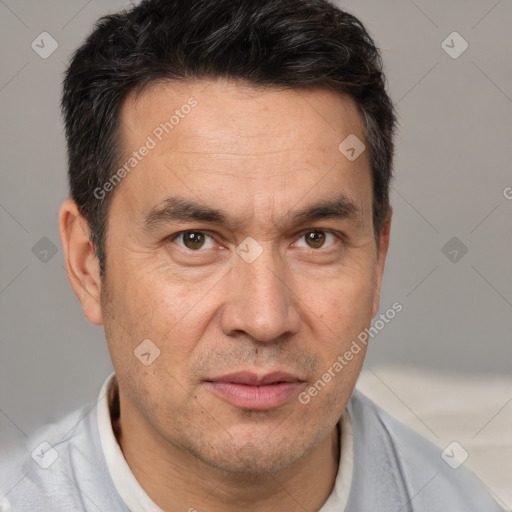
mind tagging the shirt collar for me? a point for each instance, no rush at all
(129, 489)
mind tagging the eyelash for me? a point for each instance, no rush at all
(339, 236)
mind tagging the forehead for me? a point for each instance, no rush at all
(239, 116)
(212, 139)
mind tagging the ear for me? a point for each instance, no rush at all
(82, 266)
(381, 259)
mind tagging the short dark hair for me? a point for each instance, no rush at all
(297, 44)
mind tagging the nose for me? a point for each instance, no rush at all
(260, 301)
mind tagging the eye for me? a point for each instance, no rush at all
(193, 240)
(316, 238)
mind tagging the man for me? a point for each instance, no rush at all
(229, 165)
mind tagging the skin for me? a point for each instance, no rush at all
(257, 154)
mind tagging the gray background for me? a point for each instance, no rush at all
(452, 167)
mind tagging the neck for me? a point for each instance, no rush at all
(176, 480)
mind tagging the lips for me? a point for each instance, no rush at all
(248, 390)
(253, 379)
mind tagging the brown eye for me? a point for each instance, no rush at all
(192, 240)
(315, 239)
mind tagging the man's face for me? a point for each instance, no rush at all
(263, 295)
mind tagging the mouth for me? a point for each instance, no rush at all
(248, 390)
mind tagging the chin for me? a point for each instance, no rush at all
(257, 455)
(254, 460)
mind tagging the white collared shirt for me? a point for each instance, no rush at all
(76, 464)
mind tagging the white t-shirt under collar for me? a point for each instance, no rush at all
(136, 499)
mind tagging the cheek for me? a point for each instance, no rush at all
(173, 314)
(173, 317)
(343, 301)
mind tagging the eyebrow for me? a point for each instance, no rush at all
(175, 208)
